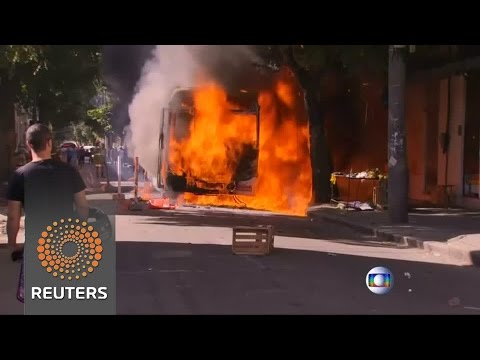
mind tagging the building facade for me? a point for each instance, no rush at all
(443, 130)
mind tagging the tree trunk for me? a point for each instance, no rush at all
(36, 108)
(40, 105)
(34, 113)
(7, 130)
(319, 151)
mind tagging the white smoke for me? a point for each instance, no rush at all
(176, 66)
(171, 66)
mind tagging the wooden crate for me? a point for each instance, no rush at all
(253, 240)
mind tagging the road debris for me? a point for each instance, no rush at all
(137, 206)
(332, 254)
(408, 275)
(163, 204)
(454, 301)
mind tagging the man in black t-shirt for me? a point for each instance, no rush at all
(46, 189)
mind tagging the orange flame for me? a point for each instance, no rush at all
(146, 192)
(217, 136)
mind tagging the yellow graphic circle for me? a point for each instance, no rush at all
(86, 240)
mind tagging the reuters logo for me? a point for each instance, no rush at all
(70, 249)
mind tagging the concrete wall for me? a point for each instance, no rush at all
(470, 133)
(457, 123)
(356, 128)
(449, 164)
(442, 128)
(427, 111)
(416, 119)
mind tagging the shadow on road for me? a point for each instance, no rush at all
(424, 223)
(475, 256)
(288, 226)
(172, 278)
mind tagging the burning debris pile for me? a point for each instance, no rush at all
(219, 145)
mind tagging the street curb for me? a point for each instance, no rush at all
(460, 256)
(370, 230)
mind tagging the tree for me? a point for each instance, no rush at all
(311, 64)
(101, 113)
(84, 134)
(53, 82)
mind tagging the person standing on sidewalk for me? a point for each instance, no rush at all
(81, 157)
(46, 189)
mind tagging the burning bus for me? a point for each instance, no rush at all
(181, 121)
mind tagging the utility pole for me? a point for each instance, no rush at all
(397, 151)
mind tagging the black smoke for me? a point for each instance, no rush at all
(233, 66)
(122, 69)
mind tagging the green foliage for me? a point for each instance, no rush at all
(85, 134)
(317, 60)
(99, 117)
(59, 80)
(353, 60)
(15, 56)
(102, 115)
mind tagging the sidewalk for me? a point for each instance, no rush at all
(3, 214)
(96, 193)
(97, 186)
(93, 186)
(451, 232)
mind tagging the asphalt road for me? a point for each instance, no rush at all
(180, 262)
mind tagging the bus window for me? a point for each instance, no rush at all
(182, 125)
